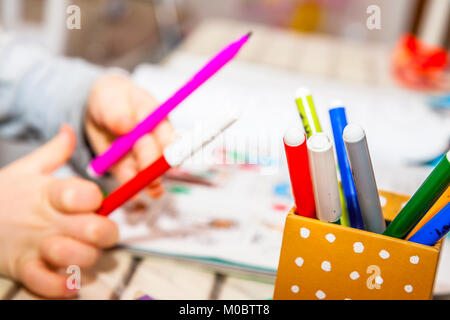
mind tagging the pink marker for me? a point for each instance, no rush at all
(125, 143)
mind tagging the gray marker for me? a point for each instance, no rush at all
(362, 170)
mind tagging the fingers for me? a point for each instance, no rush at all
(149, 147)
(51, 155)
(142, 101)
(62, 252)
(74, 195)
(90, 228)
(99, 138)
(109, 104)
(146, 151)
(145, 104)
(164, 133)
(40, 279)
(125, 169)
(155, 190)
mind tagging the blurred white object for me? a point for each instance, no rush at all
(434, 25)
(52, 32)
(400, 127)
(442, 283)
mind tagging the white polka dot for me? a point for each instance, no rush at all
(299, 261)
(383, 201)
(304, 232)
(384, 254)
(354, 275)
(358, 247)
(408, 288)
(320, 294)
(414, 259)
(379, 280)
(330, 237)
(326, 266)
(295, 289)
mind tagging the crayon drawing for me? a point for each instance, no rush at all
(195, 219)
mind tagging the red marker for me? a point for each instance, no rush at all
(298, 164)
(173, 155)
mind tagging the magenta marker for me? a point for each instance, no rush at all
(125, 143)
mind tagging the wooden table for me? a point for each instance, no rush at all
(122, 275)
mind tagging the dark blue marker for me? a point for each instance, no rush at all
(435, 229)
(338, 123)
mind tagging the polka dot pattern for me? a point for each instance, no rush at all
(320, 294)
(384, 254)
(330, 237)
(326, 261)
(414, 259)
(358, 247)
(299, 261)
(326, 266)
(304, 233)
(379, 280)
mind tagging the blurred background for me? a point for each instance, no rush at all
(387, 60)
(400, 44)
(128, 32)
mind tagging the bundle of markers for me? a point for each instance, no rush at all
(354, 200)
(178, 151)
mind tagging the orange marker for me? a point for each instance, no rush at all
(438, 205)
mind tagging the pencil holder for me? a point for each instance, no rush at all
(321, 260)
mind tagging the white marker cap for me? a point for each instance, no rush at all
(91, 173)
(302, 92)
(181, 149)
(294, 137)
(336, 104)
(319, 142)
(353, 133)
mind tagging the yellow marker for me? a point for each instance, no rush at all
(307, 111)
(311, 124)
(344, 217)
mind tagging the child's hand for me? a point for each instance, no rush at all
(115, 106)
(48, 223)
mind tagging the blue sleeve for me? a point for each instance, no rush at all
(40, 92)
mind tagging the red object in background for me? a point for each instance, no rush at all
(302, 189)
(418, 65)
(280, 207)
(132, 187)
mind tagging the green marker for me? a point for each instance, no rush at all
(311, 124)
(433, 187)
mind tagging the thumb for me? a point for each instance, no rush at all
(51, 155)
